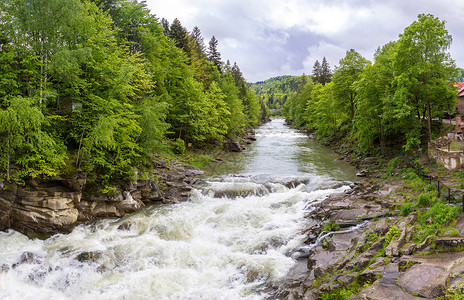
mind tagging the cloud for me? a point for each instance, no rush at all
(274, 37)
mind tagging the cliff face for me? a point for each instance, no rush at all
(45, 207)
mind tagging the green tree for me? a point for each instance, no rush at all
(326, 73)
(180, 35)
(24, 144)
(375, 112)
(345, 75)
(424, 69)
(214, 55)
(321, 111)
(317, 72)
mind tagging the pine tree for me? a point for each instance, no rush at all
(326, 74)
(317, 71)
(213, 54)
(166, 26)
(198, 41)
(180, 35)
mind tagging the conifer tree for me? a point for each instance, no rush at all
(179, 34)
(213, 54)
(317, 71)
(326, 74)
(166, 26)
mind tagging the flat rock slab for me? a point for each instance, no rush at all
(344, 240)
(357, 213)
(385, 288)
(424, 280)
(460, 224)
(429, 276)
(378, 291)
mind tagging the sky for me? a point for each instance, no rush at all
(268, 38)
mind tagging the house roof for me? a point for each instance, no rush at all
(460, 87)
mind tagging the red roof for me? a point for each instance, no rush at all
(460, 87)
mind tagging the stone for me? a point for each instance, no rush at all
(346, 279)
(427, 281)
(233, 146)
(89, 256)
(126, 225)
(362, 173)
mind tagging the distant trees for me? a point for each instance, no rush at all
(390, 101)
(103, 84)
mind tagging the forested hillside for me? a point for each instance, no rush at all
(98, 86)
(396, 100)
(275, 91)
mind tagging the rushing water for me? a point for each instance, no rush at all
(236, 234)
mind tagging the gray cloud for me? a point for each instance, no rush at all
(271, 37)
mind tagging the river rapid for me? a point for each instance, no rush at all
(238, 233)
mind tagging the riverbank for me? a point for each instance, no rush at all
(390, 237)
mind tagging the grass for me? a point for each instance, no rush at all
(454, 146)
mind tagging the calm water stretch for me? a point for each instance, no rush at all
(236, 234)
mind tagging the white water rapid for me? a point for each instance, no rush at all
(234, 237)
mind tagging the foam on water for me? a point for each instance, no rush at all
(234, 236)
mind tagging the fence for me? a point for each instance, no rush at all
(441, 187)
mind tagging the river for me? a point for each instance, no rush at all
(236, 235)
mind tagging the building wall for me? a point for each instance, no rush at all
(451, 160)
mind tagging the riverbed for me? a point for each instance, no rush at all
(236, 235)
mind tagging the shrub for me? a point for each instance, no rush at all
(178, 147)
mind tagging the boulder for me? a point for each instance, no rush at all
(232, 146)
(427, 281)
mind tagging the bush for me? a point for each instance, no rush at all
(406, 209)
(424, 199)
(435, 217)
(331, 226)
(178, 147)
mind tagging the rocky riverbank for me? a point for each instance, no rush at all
(42, 208)
(368, 246)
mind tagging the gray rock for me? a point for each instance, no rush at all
(427, 281)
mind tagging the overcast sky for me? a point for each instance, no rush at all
(269, 38)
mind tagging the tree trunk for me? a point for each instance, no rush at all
(382, 138)
(429, 117)
(429, 113)
(352, 106)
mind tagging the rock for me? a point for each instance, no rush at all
(449, 242)
(346, 279)
(369, 275)
(427, 281)
(89, 256)
(28, 258)
(43, 207)
(423, 245)
(362, 173)
(233, 146)
(128, 203)
(126, 225)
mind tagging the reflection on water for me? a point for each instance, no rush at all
(280, 151)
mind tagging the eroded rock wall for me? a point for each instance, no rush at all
(45, 207)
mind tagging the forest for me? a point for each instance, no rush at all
(100, 86)
(395, 102)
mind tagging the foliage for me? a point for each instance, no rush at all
(107, 85)
(433, 218)
(275, 91)
(389, 103)
(331, 226)
(178, 146)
